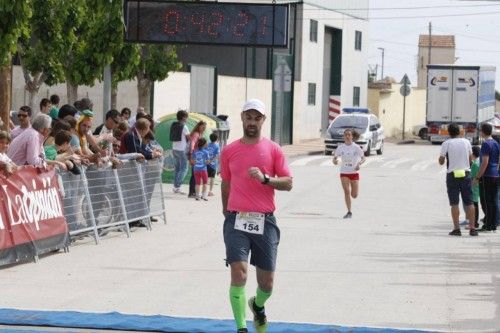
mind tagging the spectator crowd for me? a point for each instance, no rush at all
(62, 137)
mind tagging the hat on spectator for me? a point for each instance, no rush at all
(254, 104)
(88, 113)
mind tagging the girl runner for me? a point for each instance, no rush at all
(352, 157)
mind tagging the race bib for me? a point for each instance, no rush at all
(252, 223)
(348, 161)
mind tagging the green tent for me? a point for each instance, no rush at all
(162, 134)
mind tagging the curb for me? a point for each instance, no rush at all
(306, 153)
(406, 142)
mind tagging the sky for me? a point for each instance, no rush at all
(475, 24)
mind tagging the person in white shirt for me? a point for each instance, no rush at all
(179, 135)
(352, 157)
(458, 153)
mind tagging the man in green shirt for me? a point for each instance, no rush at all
(474, 170)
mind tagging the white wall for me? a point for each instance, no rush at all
(173, 94)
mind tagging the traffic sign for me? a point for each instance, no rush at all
(405, 80)
(405, 90)
(283, 77)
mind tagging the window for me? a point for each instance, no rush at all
(311, 94)
(355, 96)
(313, 33)
(357, 42)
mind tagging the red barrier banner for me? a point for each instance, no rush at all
(7, 251)
(32, 218)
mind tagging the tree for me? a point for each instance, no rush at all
(93, 33)
(39, 52)
(156, 62)
(15, 15)
(124, 67)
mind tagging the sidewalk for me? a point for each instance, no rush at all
(306, 147)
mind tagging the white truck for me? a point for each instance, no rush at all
(459, 94)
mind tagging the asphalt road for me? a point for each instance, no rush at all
(392, 265)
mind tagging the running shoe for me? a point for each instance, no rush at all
(210, 194)
(473, 232)
(259, 317)
(242, 330)
(455, 232)
(204, 198)
(348, 215)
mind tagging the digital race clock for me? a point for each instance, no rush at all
(220, 23)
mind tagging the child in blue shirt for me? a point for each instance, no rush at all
(200, 159)
(214, 151)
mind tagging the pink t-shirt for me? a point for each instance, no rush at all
(247, 194)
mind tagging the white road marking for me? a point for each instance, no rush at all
(305, 160)
(395, 163)
(423, 165)
(372, 159)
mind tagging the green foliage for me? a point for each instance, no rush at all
(125, 63)
(157, 61)
(40, 51)
(14, 16)
(91, 30)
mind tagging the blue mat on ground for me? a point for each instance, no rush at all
(119, 321)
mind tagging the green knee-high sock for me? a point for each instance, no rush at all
(238, 304)
(262, 297)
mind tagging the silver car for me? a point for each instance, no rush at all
(371, 132)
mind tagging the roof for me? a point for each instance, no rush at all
(379, 85)
(445, 41)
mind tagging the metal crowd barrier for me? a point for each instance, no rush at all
(102, 198)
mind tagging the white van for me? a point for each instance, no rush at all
(371, 132)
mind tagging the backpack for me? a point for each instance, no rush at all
(176, 130)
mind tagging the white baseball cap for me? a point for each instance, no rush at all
(254, 104)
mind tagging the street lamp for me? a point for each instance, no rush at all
(382, 74)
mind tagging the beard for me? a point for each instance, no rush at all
(251, 131)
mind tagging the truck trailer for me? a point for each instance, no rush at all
(464, 95)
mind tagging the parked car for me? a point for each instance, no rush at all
(365, 123)
(421, 131)
(495, 122)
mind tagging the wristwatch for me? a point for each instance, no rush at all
(266, 179)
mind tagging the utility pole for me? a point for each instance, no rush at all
(382, 74)
(430, 44)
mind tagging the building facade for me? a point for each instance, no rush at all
(328, 42)
(442, 52)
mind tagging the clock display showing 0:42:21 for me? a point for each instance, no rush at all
(219, 23)
(215, 24)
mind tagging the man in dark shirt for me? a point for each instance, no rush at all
(488, 178)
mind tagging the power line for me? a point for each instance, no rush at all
(471, 36)
(407, 8)
(402, 17)
(409, 44)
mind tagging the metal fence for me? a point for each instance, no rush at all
(106, 197)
